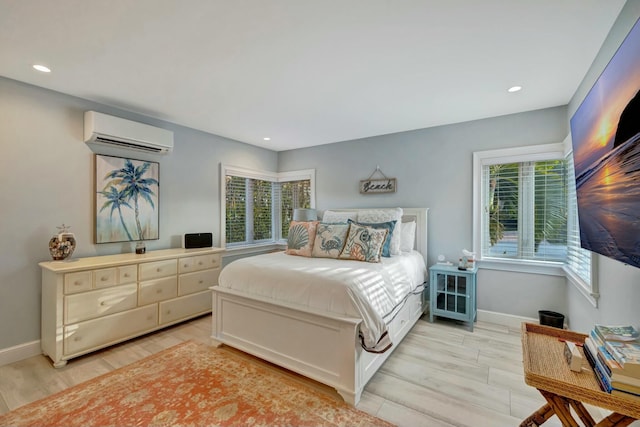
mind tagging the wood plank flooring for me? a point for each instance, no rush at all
(441, 375)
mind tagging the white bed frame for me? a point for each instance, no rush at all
(318, 345)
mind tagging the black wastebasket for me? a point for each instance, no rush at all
(551, 318)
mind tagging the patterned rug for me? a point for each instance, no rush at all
(191, 384)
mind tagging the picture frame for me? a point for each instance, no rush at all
(605, 134)
(126, 199)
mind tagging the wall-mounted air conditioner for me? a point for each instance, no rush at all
(113, 131)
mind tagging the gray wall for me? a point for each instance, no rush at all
(619, 283)
(46, 173)
(434, 169)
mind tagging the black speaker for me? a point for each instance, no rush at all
(198, 240)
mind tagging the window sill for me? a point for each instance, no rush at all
(253, 249)
(518, 266)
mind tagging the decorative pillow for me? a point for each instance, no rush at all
(335, 216)
(329, 240)
(389, 226)
(301, 238)
(384, 215)
(364, 243)
(407, 236)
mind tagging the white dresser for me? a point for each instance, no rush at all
(90, 303)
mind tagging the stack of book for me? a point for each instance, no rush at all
(614, 355)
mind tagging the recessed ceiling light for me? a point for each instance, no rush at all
(266, 138)
(42, 68)
(514, 89)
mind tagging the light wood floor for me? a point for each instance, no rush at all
(441, 375)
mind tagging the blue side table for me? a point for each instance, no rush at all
(453, 293)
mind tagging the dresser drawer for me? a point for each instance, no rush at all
(158, 290)
(198, 281)
(109, 329)
(127, 274)
(199, 262)
(184, 307)
(157, 269)
(77, 282)
(105, 277)
(98, 303)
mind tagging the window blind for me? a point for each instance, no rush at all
(249, 210)
(578, 259)
(525, 210)
(259, 207)
(293, 195)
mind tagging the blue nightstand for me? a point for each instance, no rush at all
(453, 293)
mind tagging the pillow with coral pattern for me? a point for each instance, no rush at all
(384, 215)
(329, 240)
(364, 243)
(389, 225)
(301, 237)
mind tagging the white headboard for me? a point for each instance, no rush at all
(419, 215)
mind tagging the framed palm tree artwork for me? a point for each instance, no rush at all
(127, 193)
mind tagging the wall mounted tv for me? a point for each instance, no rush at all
(605, 133)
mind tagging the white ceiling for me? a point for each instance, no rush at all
(307, 72)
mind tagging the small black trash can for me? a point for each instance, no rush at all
(551, 318)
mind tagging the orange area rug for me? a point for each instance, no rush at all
(191, 384)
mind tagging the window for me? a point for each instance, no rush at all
(579, 265)
(520, 206)
(258, 206)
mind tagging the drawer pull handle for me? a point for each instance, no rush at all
(77, 283)
(126, 274)
(201, 282)
(104, 279)
(76, 339)
(186, 265)
(158, 270)
(158, 291)
(200, 263)
(103, 303)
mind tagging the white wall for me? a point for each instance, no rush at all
(46, 174)
(619, 284)
(434, 169)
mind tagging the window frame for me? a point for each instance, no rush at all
(274, 177)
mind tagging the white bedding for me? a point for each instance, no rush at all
(373, 292)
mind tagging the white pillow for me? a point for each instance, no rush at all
(407, 236)
(384, 215)
(337, 217)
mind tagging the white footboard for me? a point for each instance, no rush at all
(318, 345)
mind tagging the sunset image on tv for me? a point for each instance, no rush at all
(605, 132)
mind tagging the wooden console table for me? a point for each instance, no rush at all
(563, 389)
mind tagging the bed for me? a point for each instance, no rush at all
(325, 337)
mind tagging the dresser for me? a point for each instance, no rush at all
(90, 303)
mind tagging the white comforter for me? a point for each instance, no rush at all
(373, 292)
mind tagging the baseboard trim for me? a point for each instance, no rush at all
(503, 319)
(19, 352)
